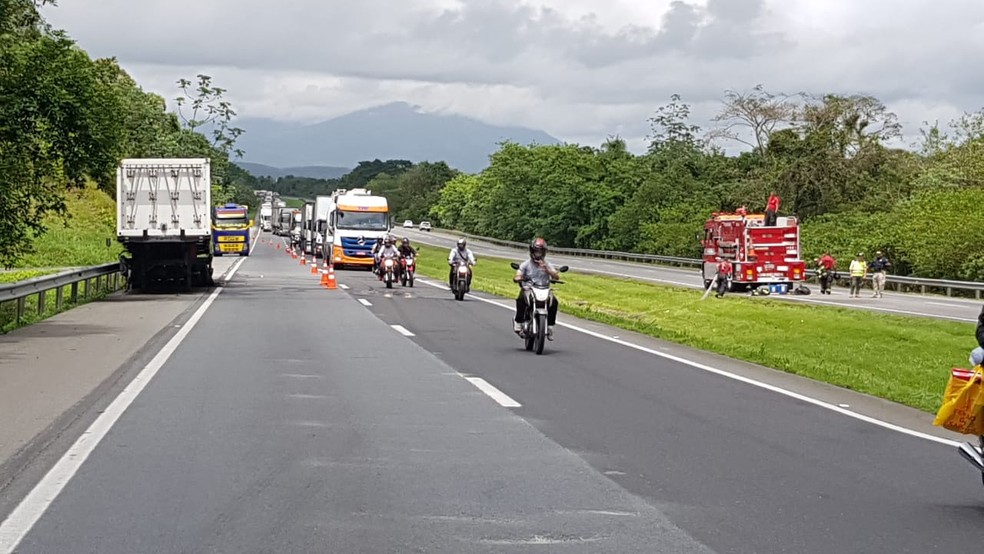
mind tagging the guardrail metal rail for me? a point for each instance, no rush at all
(107, 278)
(900, 283)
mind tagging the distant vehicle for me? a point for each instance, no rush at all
(425, 226)
(230, 230)
(768, 256)
(266, 214)
(408, 224)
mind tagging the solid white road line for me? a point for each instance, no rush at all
(878, 309)
(403, 330)
(734, 376)
(493, 392)
(365, 302)
(32, 507)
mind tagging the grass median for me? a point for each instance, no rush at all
(903, 359)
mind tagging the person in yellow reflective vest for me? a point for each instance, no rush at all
(858, 270)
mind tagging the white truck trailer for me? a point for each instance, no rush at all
(164, 220)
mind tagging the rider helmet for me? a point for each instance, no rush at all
(405, 241)
(461, 244)
(538, 249)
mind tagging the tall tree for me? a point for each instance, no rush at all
(758, 111)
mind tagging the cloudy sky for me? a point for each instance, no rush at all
(578, 69)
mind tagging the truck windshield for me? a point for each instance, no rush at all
(231, 219)
(365, 221)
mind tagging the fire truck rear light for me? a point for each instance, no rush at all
(784, 268)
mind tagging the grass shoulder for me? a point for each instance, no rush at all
(85, 235)
(903, 359)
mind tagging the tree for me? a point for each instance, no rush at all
(759, 111)
(58, 127)
(670, 125)
(207, 104)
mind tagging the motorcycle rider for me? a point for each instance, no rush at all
(406, 249)
(375, 254)
(388, 250)
(460, 253)
(538, 270)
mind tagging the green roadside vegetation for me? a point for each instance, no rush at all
(77, 238)
(902, 359)
(296, 203)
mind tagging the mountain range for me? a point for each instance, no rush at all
(391, 131)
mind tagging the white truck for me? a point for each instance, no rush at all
(322, 205)
(355, 220)
(266, 215)
(307, 228)
(164, 220)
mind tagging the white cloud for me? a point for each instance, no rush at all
(579, 69)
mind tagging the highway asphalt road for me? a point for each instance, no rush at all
(954, 309)
(293, 418)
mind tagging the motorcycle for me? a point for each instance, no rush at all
(974, 454)
(535, 320)
(462, 277)
(388, 271)
(408, 266)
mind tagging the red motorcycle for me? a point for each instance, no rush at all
(407, 268)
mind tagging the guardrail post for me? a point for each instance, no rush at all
(42, 297)
(75, 292)
(59, 298)
(949, 291)
(922, 289)
(20, 309)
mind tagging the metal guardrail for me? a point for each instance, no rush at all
(106, 277)
(900, 283)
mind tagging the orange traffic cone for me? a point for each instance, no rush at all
(278, 246)
(314, 268)
(328, 279)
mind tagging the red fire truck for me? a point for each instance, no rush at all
(761, 256)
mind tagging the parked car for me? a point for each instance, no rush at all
(425, 226)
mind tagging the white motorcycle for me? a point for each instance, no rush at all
(535, 320)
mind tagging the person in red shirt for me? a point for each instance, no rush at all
(825, 269)
(723, 274)
(771, 209)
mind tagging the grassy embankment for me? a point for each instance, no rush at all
(76, 240)
(903, 359)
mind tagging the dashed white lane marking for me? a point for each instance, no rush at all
(403, 330)
(736, 377)
(365, 302)
(33, 506)
(493, 392)
(343, 286)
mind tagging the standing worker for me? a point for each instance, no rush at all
(858, 271)
(878, 267)
(723, 276)
(826, 266)
(771, 209)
